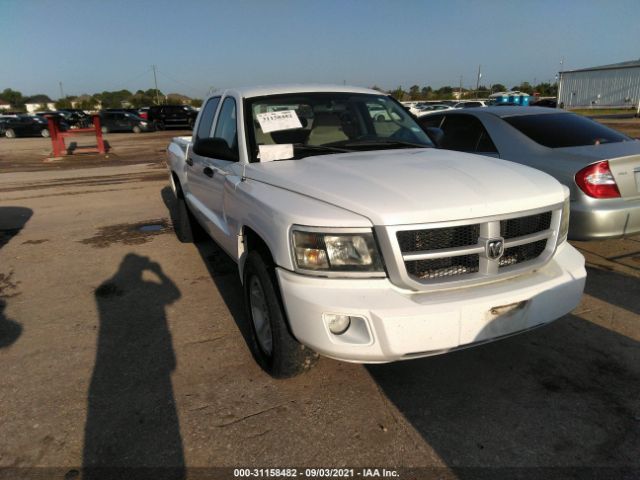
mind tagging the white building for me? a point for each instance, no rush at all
(36, 107)
(615, 85)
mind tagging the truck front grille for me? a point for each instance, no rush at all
(437, 254)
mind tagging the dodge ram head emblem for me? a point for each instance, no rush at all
(494, 248)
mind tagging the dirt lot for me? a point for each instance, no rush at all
(120, 346)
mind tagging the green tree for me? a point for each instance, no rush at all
(196, 102)
(398, 93)
(546, 89)
(426, 92)
(64, 102)
(524, 87)
(444, 93)
(14, 97)
(113, 99)
(414, 92)
(498, 87)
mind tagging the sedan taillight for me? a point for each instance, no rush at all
(597, 181)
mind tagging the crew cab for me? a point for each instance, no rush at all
(357, 240)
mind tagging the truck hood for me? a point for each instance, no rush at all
(396, 187)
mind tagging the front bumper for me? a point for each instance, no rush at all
(397, 324)
(608, 219)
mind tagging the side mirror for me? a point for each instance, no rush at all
(436, 135)
(214, 148)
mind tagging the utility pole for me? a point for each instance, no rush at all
(559, 83)
(460, 89)
(478, 81)
(155, 81)
(61, 91)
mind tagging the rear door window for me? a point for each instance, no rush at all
(227, 124)
(558, 130)
(206, 118)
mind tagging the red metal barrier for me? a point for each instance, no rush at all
(58, 136)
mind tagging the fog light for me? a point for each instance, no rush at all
(338, 324)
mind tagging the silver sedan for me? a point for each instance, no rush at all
(600, 166)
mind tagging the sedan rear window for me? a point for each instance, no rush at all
(559, 130)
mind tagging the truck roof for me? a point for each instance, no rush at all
(258, 91)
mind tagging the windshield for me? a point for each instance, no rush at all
(319, 123)
(557, 130)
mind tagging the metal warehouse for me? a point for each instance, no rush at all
(615, 85)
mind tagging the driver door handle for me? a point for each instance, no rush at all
(189, 161)
(209, 172)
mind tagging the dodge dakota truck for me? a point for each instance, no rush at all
(357, 240)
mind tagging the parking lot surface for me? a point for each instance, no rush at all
(121, 346)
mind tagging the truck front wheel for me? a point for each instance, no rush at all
(274, 348)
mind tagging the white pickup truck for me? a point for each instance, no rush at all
(358, 240)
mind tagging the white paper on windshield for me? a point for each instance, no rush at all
(269, 153)
(275, 121)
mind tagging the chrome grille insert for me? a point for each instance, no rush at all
(463, 252)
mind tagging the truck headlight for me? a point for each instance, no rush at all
(336, 252)
(564, 222)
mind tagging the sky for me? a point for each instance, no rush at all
(198, 45)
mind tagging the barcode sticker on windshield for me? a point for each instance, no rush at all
(269, 153)
(275, 121)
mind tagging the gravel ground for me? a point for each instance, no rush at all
(120, 346)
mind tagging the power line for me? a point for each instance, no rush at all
(177, 81)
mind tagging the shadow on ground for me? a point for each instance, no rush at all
(614, 288)
(222, 269)
(567, 395)
(132, 423)
(12, 221)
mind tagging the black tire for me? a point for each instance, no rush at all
(288, 357)
(10, 133)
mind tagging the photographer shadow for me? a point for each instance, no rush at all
(132, 428)
(12, 221)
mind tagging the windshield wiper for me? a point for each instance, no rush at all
(385, 143)
(320, 148)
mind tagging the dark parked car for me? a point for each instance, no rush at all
(24, 126)
(121, 121)
(166, 116)
(546, 102)
(600, 166)
(68, 118)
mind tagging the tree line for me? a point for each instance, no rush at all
(146, 98)
(106, 99)
(416, 92)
